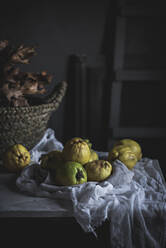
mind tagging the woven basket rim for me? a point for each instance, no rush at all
(27, 107)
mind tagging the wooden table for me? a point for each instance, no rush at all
(35, 220)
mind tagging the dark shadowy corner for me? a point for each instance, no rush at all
(134, 50)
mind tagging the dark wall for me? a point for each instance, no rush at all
(60, 28)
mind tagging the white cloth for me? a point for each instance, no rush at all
(134, 201)
(47, 144)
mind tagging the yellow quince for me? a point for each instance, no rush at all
(16, 158)
(77, 150)
(98, 170)
(125, 154)
(93, 155)
(134, 146)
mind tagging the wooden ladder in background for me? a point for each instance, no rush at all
(124, 77)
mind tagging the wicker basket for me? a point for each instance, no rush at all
(26, 125)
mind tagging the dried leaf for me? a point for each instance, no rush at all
(19, 102)
(11, 92)
(23, 54)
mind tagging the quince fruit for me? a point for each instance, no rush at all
(129, 158)
(16, 158)
(125, 154)
(51, 160)
(115, 152)
(93, 156)
(70, 173)
(135, 147)
(88, 142)
(77, 150)
(98, 170)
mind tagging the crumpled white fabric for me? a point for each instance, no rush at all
(133, 201)
(47, 144)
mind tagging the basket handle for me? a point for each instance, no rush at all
(58, 93)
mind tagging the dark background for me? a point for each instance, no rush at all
(116, 51)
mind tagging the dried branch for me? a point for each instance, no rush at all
(16, 86)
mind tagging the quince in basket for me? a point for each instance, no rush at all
(16, 158)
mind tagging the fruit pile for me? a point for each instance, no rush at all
(77, 163)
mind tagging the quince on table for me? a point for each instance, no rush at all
(93, 153)
(127, 151)
(16, 158)
(77, 150)
(98, 170)
(134, 146)
(70, 173)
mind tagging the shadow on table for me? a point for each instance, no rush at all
(12, 183)
(56, 232)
